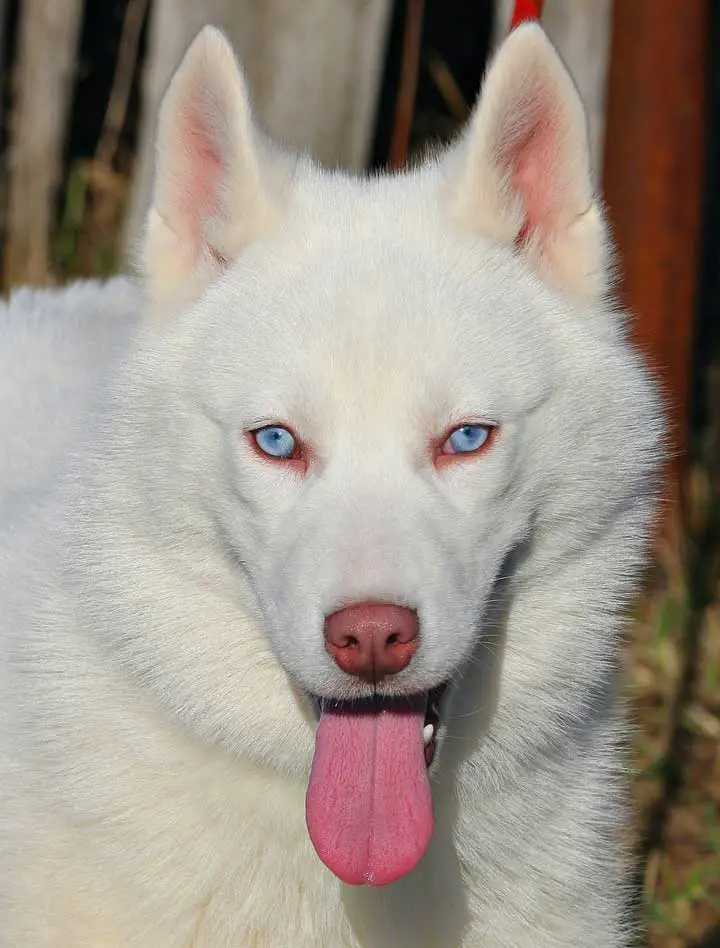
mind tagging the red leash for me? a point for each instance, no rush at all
(526, 10)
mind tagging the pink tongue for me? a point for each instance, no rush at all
(369, 809)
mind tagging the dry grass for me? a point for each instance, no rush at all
(681, 884)
(673, 677)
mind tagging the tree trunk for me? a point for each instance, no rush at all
(43, 84)
(314, 70)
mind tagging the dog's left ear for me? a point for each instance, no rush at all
(524, 176)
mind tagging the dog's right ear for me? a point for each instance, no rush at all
(210, 198)
(524, 177)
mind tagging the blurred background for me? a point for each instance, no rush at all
(366, 84)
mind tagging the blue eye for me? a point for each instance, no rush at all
(467, 439)
(275, 441)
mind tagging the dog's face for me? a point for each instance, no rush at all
(377, 434)
(389, 339)
(368, 398)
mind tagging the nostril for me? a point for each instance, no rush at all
(345, 641)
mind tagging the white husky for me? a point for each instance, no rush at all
(313, 574)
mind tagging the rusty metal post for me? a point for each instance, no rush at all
(654, 177)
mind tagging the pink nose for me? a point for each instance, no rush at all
(371, 639)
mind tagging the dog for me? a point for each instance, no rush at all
(317, 540)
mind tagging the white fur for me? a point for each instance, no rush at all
(163, 588)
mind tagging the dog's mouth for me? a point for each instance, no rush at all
(369, 807)
(431, 723)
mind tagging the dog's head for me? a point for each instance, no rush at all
(369, 393)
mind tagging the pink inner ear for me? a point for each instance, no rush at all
(203, 169)
(532, 156)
